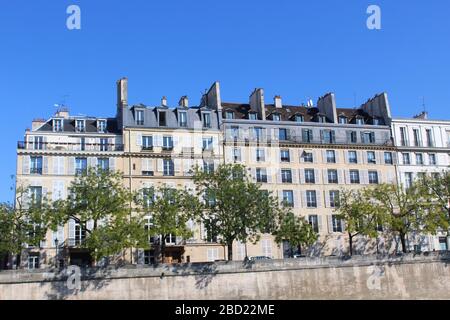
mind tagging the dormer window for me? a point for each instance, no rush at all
(79, 125)
(252, 116)
(299, 118)
(206, 116)
(101, 126)
(162, 119)
(343, 120)
(276, 117)
(229, 115)
(57, 125)
(139, 116)
(359, 121)
(182, 118)
(376, 121)
(322, 119)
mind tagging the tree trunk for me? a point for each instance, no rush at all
(230, 250)
(162, 248)
(350, 240)
(403, 241)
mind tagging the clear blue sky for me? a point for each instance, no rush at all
(298, 49)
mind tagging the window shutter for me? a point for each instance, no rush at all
(296, 199)
(362, 157)
(315, 156)
(92, 162)
(341, 176)
(55, 167)
(160, 165)
(278, 172)
(90, 224)
(215, 144)
(229, 156)
(319, 198)
(71, 166)
(253, 173)
(337, 154)
(144, 164)
(320, 223)
(347, 176)
(138, 139)
(380, 176)
(243, 154)
(26, 164)
(324, 156)
(303, 194)
(346, 156)
(300, 156)
(327, 198)
(330, 224)
(301, 173)
(280, 196)
(325, 176)
(45, 165)
(269, 175)
(61, 165)
(112, 164)
(71, 229)
(58, 234)
(294, 176)
(317, 176)
(378, 157)
(140, 256)
(364, 178)
(177, 165)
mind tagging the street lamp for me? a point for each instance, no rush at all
(56, 255)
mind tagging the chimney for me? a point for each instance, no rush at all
(257, 103)
(277, 102)
(37, 123)
(164, 101)
(327, 105)
(122, 92)
(212, 97)
(423, 115)
(184, 102)
(62, 113)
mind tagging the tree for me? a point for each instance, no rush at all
(24, 224)
(407, 210)
(103, 208)
(294, 229)
(235, 206)
(360, 215)
(438, 188)
(170, 210)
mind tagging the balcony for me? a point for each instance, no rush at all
(35, 170)
(147, 148)
(68, 146)
(167, 148)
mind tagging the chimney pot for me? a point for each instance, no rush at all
(164, 101)
(277, 102)
(184, 102)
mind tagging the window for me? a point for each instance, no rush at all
(148, 196)
(376, 121)
(403, 138)
(33, 261)
(147, 142)
(286, 176)
(260, 155)
(421, 176)
(168, 167)
(299, 118)
(354, 176)
(310, 176)
(162, 119)
(308, 157)
(36, 165)
(368, 137)
(417, 141)
(229, 115)
(307, 135)
(207, 143)
(432, 158)
(276, 117)
(314, 222)
(311, 200)
(337, 223)
(373, 177)
(419, 158)
(352, 157)
(101, 126)
(430, 140)
(206, 119)
(80, 165)
(371, 157)
(38, 143)
(182, 118)
(212, 254)
(167, 143)
(82, 143)
(331, 156)
(208, 166)
(334, 198)
(406, 159)
(149, 257)
(103, 163)
(332, 176)
(322, 119)
(140, 117)
(288, 198)
(252, 116)
(80, 233)
(79, 125)
(388, 158)
(36, 195)
(171, 239)
(351, 137)
(408, 179)
(285, 156)
(237, 154)
(261, 175)
(103, 144)
(234, 132)
(359, 121)
(258, 133)
(57, 125)
(328, 136)
(343, 120)
(282, 134)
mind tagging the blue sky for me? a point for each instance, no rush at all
(298, 49)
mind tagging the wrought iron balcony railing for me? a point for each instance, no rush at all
(68, 146)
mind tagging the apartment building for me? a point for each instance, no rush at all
(48, 158)
(306, 154)
(423, 148)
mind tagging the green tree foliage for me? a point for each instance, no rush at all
(360, 215)
(408, 210)
(235, 207)
(438, 189)
(99, 197)
(170, 210)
